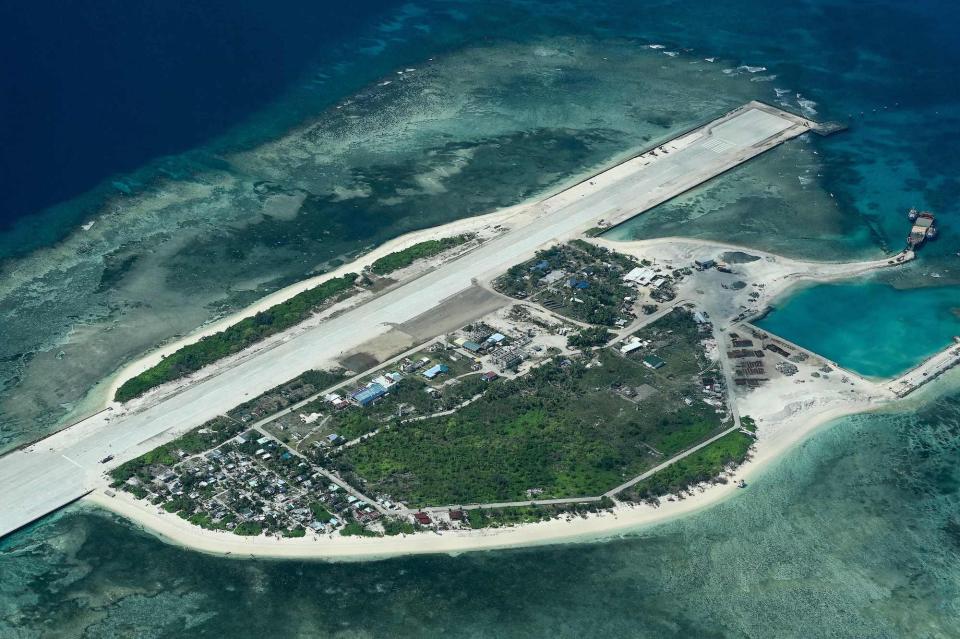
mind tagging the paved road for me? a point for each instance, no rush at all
(61, 468)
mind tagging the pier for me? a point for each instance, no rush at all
(62, 468)
(927, 371)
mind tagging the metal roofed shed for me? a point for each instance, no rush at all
(631, 346)
(641, 276)
(368, 394)
(654, 362)
(472, 346)
(435, 370)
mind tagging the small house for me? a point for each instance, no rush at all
(654, 362)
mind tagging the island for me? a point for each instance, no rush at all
(508, 379)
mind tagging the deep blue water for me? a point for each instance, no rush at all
(89, 90)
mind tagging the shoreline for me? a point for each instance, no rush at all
(786, 415)
(100, 396)
(779, 436)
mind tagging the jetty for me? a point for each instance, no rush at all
(62, 468)
(927, 371)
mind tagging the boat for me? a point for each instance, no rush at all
(923, 229)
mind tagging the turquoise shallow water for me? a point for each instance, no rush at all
(868, 326)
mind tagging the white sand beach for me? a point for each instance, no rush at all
(778, 432)
(786, 411)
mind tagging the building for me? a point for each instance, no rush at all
(389, 380)
(496, 338)
(703, 265)
(629, 347)
(471, 346)
(435, 370)
(489, 376)
(368, 394)
(654, 362)
(422, 518)
(641, 276)
(553, 276)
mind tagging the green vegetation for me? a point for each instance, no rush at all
(248, 529)
(561, 430)
(205, 437)
(589, 287)
(497, 517)
(406, 257)
(320, 513)
(703, 465)
(299, 531)
(234, 339)
(392, 527)
(356, 529)
(589, 337)
(279, 397)
(748, 424)
(405, 400)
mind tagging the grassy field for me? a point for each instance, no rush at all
(564, 429)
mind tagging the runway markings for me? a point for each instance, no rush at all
(718, 145)
(73, 462)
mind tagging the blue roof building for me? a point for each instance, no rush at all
(368, 394)
(433, 371)
(542, 265)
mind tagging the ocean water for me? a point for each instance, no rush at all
(854, 533)
(868, 326)
(503, 103)
(96, 91)
(466, 132)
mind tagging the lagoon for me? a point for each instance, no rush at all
(869, 326)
